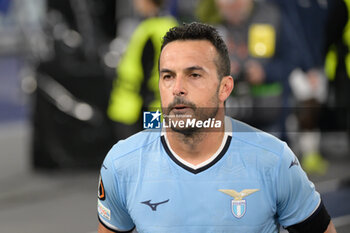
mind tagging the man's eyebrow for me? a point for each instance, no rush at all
(166, 71)
(188, 69)
(192, 68)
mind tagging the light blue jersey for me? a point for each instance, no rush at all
(252, 183)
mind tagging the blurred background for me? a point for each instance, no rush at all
(75, 76)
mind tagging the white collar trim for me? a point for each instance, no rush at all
(227, 133)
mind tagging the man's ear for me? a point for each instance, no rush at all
(226, 87)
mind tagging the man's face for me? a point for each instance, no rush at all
(189, 82)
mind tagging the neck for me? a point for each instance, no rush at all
(198, 146)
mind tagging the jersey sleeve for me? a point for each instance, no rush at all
(110, 206)
(297, 198)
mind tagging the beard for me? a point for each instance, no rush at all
(191, 112)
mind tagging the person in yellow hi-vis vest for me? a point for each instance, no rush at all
(136, 85)
(338, 41)
(337, 63)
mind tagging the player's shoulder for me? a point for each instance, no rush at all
(128, 149)
(264, 145)
(256, 137)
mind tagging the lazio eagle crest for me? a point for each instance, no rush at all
(238, 205)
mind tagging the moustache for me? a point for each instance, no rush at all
(181, 101)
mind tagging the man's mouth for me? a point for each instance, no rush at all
(180, 107)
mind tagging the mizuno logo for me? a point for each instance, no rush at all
(294, 162)
(153, 205)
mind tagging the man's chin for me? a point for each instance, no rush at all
(185, 131)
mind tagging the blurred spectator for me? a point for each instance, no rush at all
(337, 64)
(308, 82)
(21, 29)
(136, 85)
(259, 48)
(20, 39)
(182, 9)
(207, 12)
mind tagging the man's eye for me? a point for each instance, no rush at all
(166, 76)
(195, 75)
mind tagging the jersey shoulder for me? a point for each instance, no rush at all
(125, 151)
(255, 137)
(256, 145)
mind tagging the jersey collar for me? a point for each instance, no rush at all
(209, 162)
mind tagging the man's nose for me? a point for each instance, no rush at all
(179, 87)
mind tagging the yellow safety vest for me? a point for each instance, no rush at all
(126, 101)
(331, 62)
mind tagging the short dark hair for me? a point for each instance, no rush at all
(201, 31)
